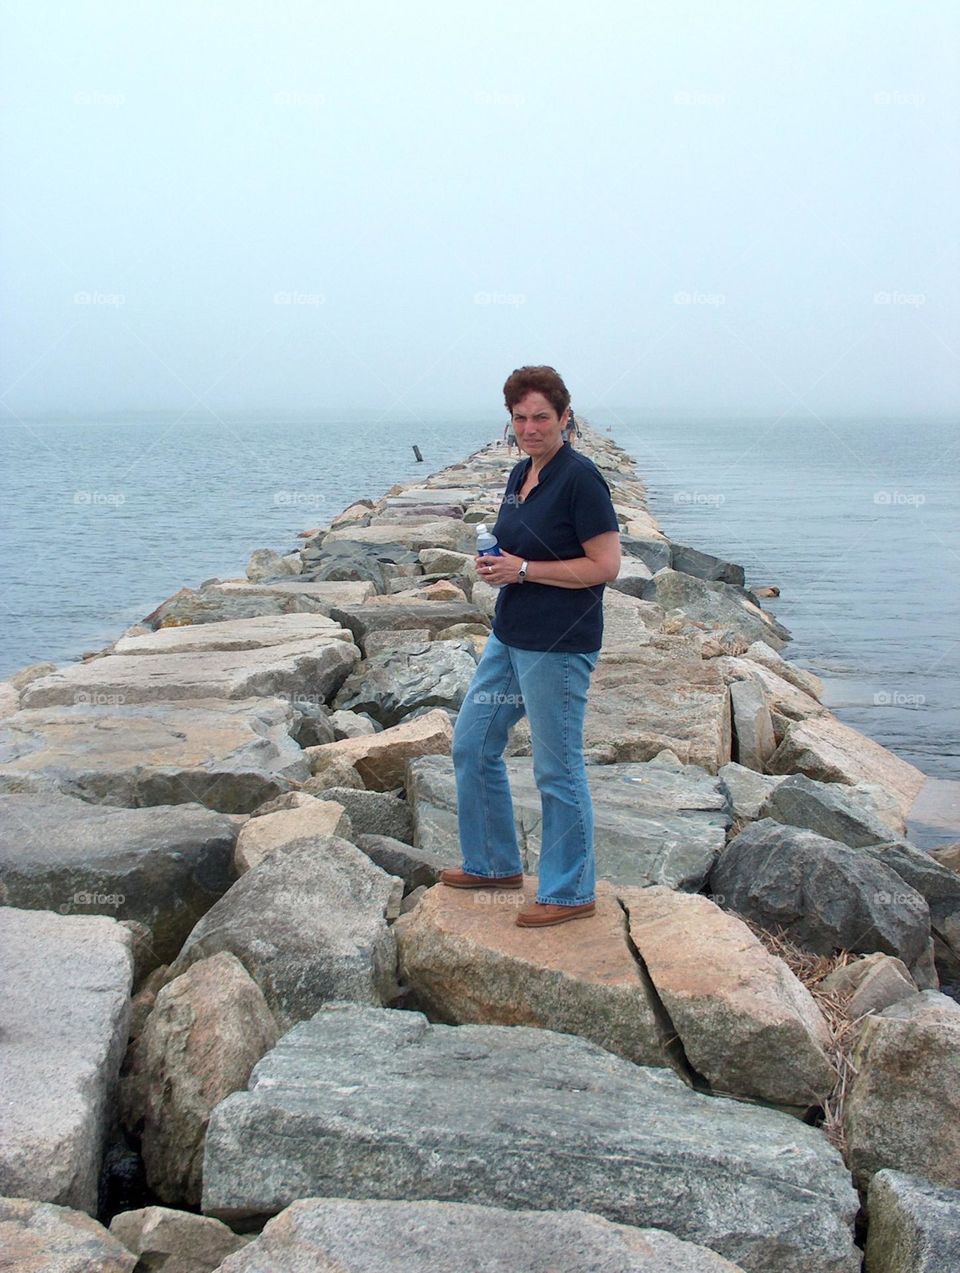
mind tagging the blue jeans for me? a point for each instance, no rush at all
(551, 688)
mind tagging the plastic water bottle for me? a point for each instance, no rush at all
(487, 545)
(486, 542)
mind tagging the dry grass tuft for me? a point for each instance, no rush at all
(811, 970)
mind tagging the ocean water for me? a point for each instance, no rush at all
(854, 520)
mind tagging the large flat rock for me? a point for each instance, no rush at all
(460, 1237)
(822, 747)
(658, 695)
(227, 755)
(234, 634)
(655, 823)
(468, 961)
(240, 599)
(377, 1104)
(164, 866)
(312, 669)
(65, 1008)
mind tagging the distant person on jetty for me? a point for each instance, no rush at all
(560, 541)
(510, 437)
(571, 429)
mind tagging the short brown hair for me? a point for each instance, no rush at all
(545, 380)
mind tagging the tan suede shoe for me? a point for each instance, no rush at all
(539, 914)
(463, 879)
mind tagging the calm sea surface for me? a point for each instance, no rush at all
(854, 520)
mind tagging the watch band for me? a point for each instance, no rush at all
(522, 572)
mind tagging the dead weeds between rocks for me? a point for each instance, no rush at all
(811, 970)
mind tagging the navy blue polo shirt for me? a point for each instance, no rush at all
(569, 505)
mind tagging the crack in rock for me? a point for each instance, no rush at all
(670, 1041)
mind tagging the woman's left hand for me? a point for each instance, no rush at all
(500, 569)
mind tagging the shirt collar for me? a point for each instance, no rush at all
(555, 463)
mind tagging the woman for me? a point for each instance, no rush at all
(560, 542)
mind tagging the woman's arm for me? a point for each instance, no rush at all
(600, 565)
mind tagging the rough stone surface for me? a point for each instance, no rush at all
(37, 1237)
(164, 867)
(720, 605)
(752, 726)
(65, 1012)
(240, 599)
(391, 685)
(382, 1104)
(824, 895)
(746, 790)
(308, 925)
(940, 887)
(390, 614)
(468, 961)
(747, 1024)
(660, 695)
(317, 666)
(416, 867)
(206, 1032)
(914, 1226)
(803, 679)
(430, 1237)
(311, 822)
(903, 1104)
(175, 1241)
(234, 634)
(833, 809)
(227, 755)
(374, 813)
(654, 823)
(830, 751)
(380, 759)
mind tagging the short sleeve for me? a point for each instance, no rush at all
(593, 511)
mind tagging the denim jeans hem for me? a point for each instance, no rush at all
(565, 901)
(484, 875)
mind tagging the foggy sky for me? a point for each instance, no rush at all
(734, 206)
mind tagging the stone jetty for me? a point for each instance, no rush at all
(244, 1027)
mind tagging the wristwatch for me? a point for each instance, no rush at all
(522, 572)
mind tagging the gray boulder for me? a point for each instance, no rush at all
(719, 605)
(746, 790)
(704, 565)
(902, 1108)
(362, 1236)
(940, 887)
(416, 867)
(365, 1103)
(309, 925)
(834, 809)
(375, 813)
(824, 895)
(914, 1226)
(391, 685)
(164, 867)
(65, 1008)
(227, 755)
(383, 615)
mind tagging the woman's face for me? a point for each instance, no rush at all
(537, 425)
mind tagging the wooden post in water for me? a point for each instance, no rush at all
(416, 451)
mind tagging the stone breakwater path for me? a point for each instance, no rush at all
(245, 1028)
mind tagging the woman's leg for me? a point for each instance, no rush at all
(493, 703)
(554, 686)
